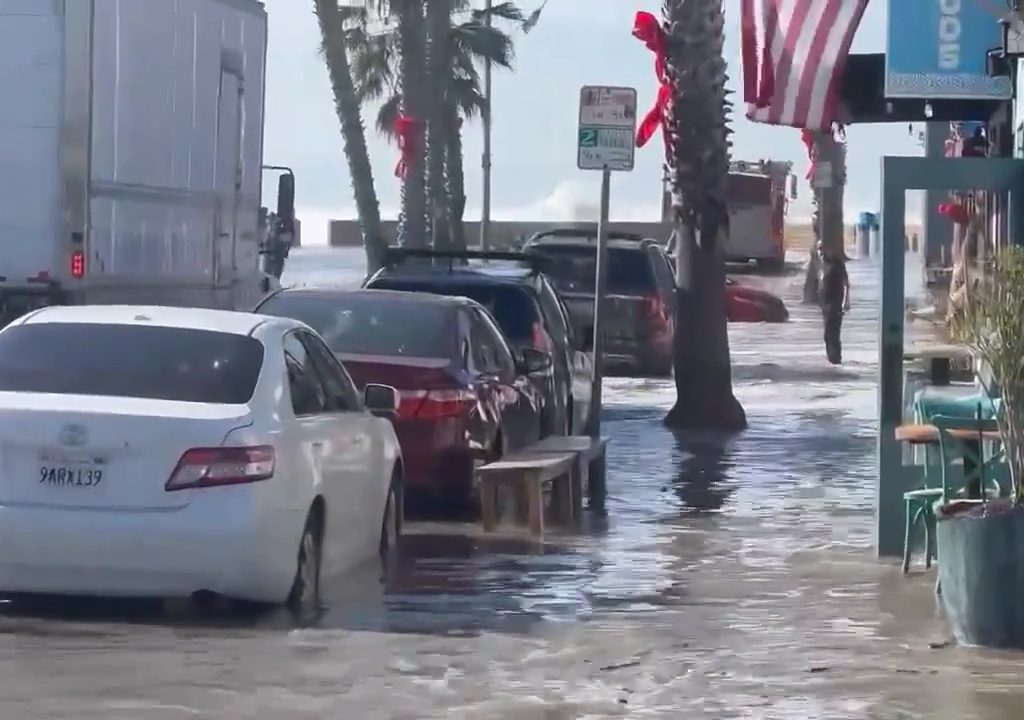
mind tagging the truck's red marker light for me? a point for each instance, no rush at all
(78, 264)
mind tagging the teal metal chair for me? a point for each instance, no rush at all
(959, 438)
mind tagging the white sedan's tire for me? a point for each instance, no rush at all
(391, 523)
(304, 598)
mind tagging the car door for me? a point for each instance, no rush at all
(304, 430)
(664, 276)
(559, 327)
(352, 456)
(520, 400)
(582, 372)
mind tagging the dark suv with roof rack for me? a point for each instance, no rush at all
(640, 309)
(527, 309)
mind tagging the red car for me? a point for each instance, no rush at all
(466, 397)
(744, 303)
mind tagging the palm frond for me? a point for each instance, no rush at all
(387, 114)
(503, 11)
(531, 20)
(483, 43)
(465, 94)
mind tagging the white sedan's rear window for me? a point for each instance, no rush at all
(158, 363)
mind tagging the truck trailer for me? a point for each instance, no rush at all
(131, 135)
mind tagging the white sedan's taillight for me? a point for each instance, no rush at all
(211, 467)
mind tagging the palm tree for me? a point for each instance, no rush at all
(439, 58)
(831, 229)
(698, 132)
(375, 66)
(332, 20)
(412, 76)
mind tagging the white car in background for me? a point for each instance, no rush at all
(163, 452)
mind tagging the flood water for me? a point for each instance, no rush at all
(731, 579)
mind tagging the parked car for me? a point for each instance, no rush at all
(640, 307)
(744, 303)
(527, 309)
(466, 396)
(164, 452)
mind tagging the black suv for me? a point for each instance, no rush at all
(527, 309)
(640, 309)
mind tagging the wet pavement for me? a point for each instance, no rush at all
(731, 579)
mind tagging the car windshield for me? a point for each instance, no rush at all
(136, 361)
(513, 308)
(573, 268)
(370, 324)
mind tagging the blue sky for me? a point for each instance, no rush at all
(578, 42)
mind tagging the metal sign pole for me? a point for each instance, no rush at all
(485, 214)
(600, 291)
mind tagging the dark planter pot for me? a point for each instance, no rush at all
(981, 572)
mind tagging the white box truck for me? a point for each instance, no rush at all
(131, 152)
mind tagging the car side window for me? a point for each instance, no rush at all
(663, 270)
(341, 392)
(557, 322)
(501, 353)
(481, 347)
(307, 394)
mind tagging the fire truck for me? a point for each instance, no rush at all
(758, 203)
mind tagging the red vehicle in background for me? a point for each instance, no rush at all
(466, 398)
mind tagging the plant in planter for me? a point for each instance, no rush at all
(981, 545)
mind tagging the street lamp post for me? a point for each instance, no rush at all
(485, 215)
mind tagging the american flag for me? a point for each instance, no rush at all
(793, 57)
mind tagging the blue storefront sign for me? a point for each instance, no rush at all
(937, 49)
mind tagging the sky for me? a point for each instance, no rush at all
(534, 175)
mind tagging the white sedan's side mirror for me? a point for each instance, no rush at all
(381, 400)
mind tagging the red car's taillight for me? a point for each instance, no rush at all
(435, 404)
(212, 467)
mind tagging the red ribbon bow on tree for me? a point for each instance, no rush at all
(648, 30)
(955, 212)
(405, 129)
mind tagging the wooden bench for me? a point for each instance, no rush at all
(530, 471)
(588, 472)
(929, 434)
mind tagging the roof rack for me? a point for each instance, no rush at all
(397, 255)
(590, 234)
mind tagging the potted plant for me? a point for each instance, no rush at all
(981, 545)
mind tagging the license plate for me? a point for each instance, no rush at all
(70, 470)
(78, 477)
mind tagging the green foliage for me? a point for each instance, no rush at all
(992, 324)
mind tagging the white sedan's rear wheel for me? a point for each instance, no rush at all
(304, 598)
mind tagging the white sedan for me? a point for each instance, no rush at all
(163, 452)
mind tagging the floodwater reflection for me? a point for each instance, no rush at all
(702, 484)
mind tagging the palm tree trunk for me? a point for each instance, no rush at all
(332, 34)
(412, 78)
(812, 279)
(832, 230)
(456, 178)
(439, 19)
(699, 168)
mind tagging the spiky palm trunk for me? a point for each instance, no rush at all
(812, 279)
(412, 39)
(699, 168)
(828, 150)
(346, 104)
(456, 178)
(439, 17)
